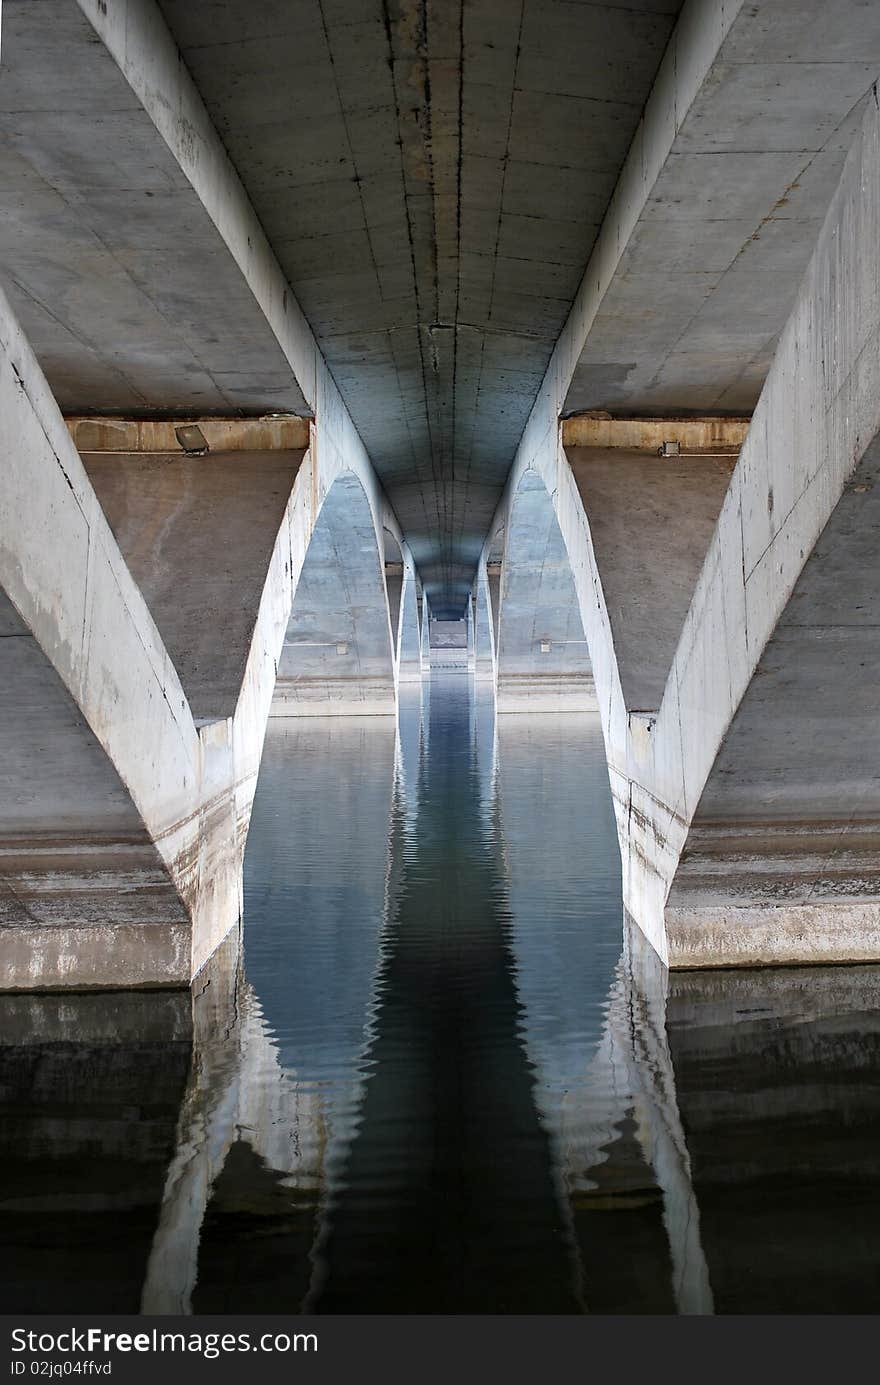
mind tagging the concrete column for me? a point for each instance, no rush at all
(426, 637)
(469, 618)
(409, 663)
(484, 634)
(338, 656)
(542, 658)
(747, 818)
(102, 762)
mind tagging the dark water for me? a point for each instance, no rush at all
(444, 1076)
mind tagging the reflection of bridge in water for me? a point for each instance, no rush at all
(381, 1087)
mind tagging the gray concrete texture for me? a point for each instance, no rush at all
(431, 181)
(338, 652)
(77, 863)
(542, 660)
(708, 277)
(120, 278)
(651, 519)
(197, 534)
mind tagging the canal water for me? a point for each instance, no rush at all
(436, 1072)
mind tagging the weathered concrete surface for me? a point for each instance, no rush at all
(814, 421)
(409, 635)
(93, 644)
(339, 653)
(542, 661)
(786, 835)
(108, 433)
(484, 632)
(197, 534)
(76, 860)
(735, 181)
(425, 650)
(432, 183)
(651, 520)
(101, 229)
(101, 674)
(783, 579)
(431, 186)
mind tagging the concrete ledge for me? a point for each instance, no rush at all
(270, 434)
(343, 697)
(814, 934)
(692, 434)
(58, 957)
(545, 693)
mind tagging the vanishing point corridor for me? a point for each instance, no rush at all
(441, 1079)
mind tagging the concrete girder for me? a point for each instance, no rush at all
(63, 573)
(799, 466)
(432, 181)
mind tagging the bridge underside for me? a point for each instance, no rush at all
(457, 330)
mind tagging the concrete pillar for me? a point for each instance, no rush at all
(409, 663)
(747, 812)
(542, 658)
(426, 637)
(338, 657)
(484, 634)
(469, 618)
(102, 762)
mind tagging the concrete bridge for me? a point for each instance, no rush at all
(559, 320)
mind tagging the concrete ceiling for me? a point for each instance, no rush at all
(708, 278)
(122, 282)
(431, 175)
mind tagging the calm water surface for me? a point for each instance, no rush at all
(443, 1076)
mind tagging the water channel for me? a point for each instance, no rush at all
(436, 1071)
